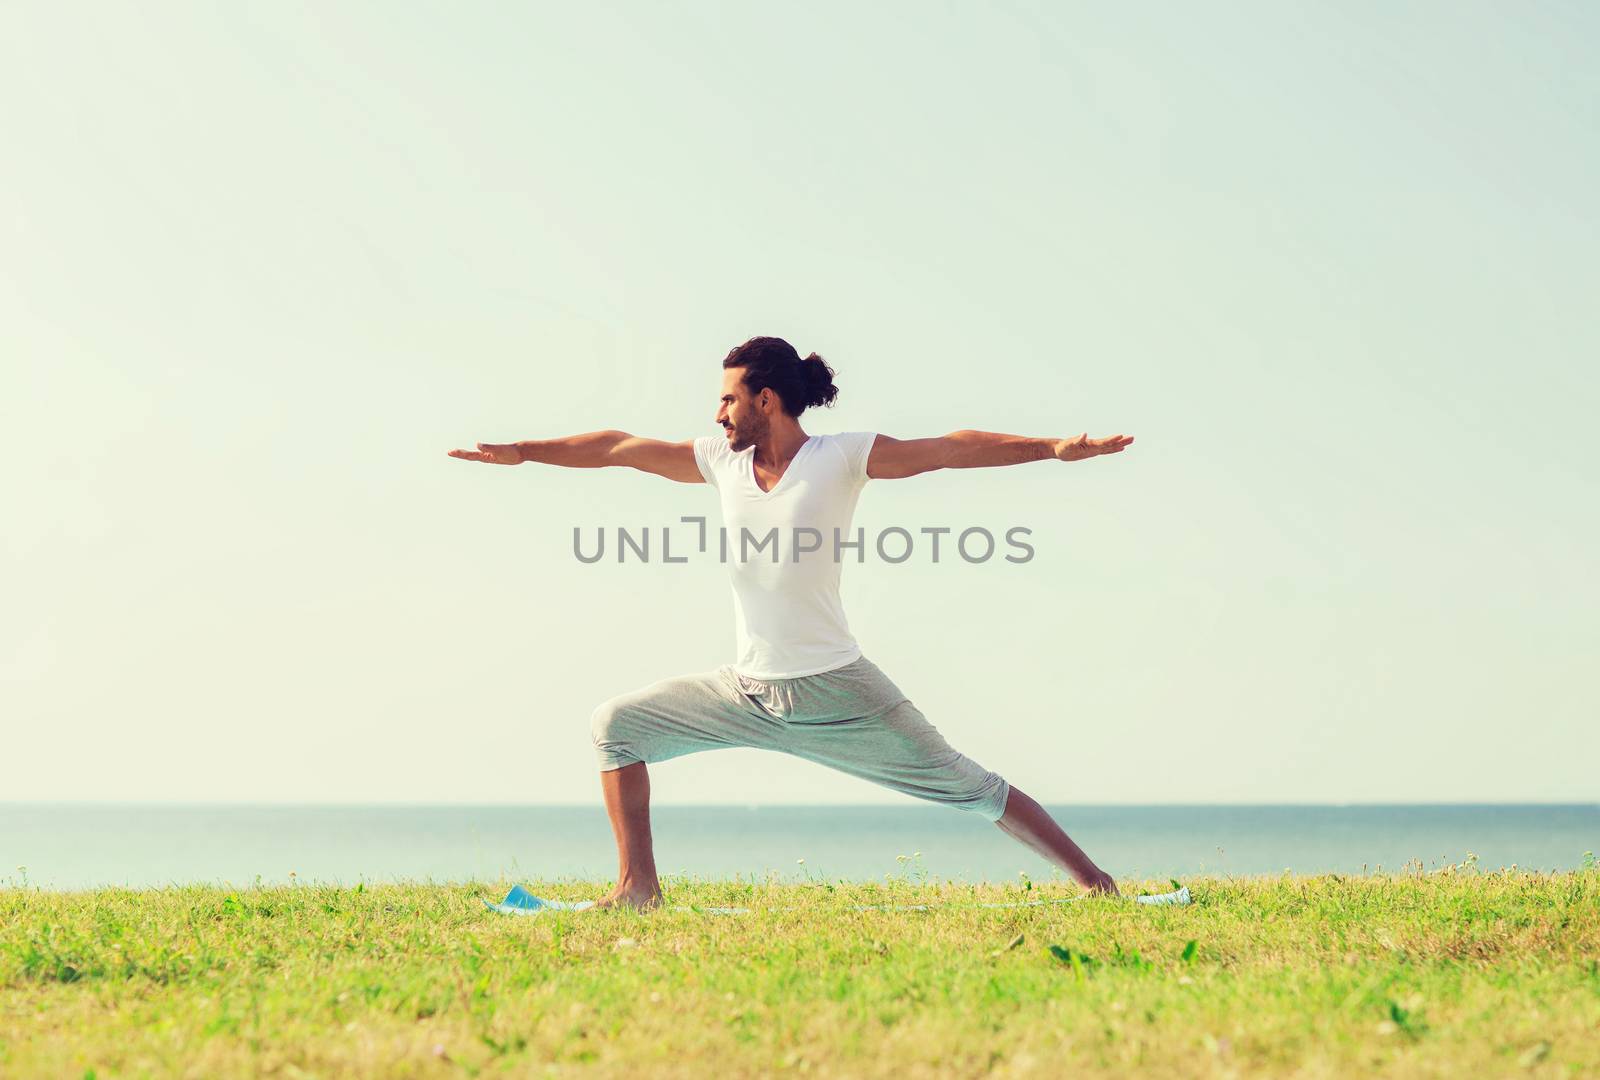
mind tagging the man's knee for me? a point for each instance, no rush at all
(603, 721)
(608, 730)
(996, 798)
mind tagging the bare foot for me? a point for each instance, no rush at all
(1102, 884)
(639, 899)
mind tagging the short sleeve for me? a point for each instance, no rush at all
(857, 447)
(705, 456)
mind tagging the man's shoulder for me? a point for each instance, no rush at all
(712, 454)
(852, 448)
(710, 445)
(850, 440)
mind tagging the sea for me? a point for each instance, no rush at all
(66, 846)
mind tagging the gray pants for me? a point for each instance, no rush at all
(851, 718)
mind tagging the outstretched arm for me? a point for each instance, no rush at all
(595, 450)
(892, 459)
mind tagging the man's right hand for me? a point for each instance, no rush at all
(594, 450)
(494, 453)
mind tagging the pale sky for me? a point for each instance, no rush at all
(1333, 267)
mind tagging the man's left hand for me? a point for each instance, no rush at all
(1085, 447)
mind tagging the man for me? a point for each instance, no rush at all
(801, 684)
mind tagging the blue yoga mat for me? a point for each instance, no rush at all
(519, 901)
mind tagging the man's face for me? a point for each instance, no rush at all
(744, 417)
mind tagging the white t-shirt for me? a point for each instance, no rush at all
(784, 549)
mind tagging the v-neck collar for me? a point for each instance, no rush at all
(750, 469)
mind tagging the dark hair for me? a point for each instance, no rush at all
(773, 362)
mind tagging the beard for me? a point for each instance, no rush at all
(748, 433)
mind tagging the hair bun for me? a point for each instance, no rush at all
(819, 381)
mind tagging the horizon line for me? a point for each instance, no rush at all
(596, 805)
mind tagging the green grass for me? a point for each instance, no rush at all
(1450, 973)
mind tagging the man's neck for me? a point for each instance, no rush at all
(780, 447)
